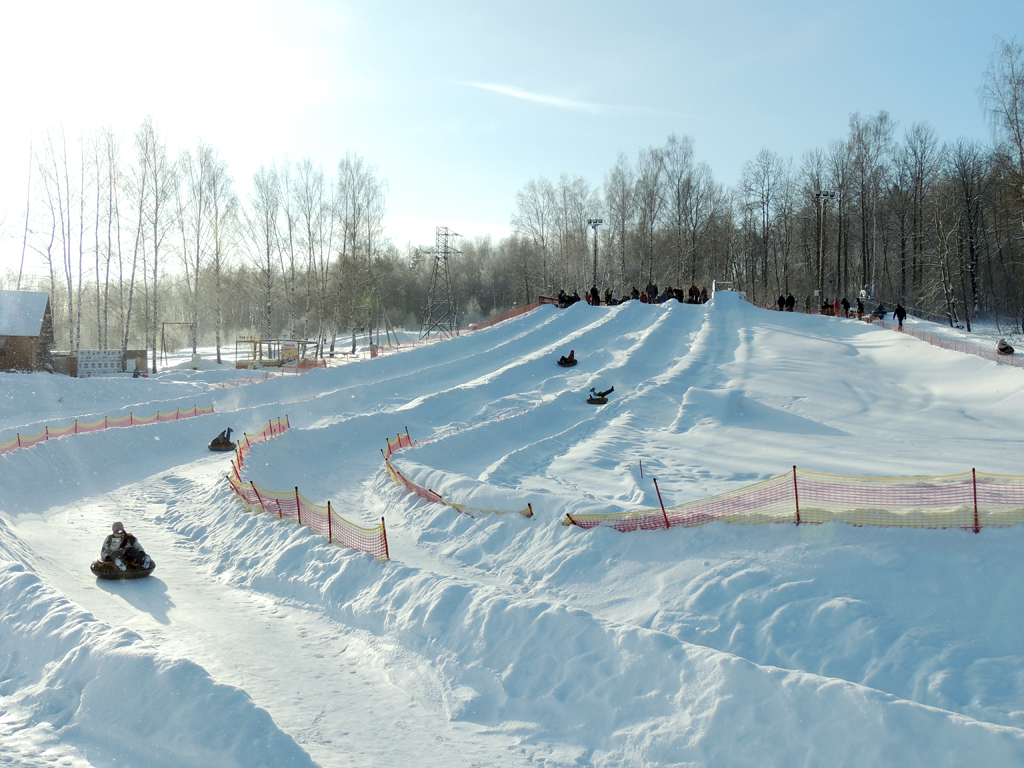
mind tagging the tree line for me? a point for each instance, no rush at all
(139, 246)
(938, 226)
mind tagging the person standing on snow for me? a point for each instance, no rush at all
(901, 315)
(122, 548)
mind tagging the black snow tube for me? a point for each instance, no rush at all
(104, 569)
(565, 363)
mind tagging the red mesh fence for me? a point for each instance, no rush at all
(404, 441)
(293, 505)
(965, 347)
(107, 422)
(971, 500)
(504, 316)
(303, 366)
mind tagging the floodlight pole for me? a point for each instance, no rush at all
(822, 196)
(594, 224)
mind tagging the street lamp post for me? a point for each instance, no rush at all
(594, 224)
(822, 196)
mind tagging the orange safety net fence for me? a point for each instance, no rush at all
(404, 441)
(518, 311)
(107, 422)
(304, 366)
(965, 347)
(292, 504)
(969, 500)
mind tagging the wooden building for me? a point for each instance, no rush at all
(26, 331)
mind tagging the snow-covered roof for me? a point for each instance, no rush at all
(22, 312)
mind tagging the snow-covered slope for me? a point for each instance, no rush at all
(502, 639)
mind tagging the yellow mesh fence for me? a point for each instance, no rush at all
(968, 500)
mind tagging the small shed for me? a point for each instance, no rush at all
(26, 331)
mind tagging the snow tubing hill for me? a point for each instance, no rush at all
(107, 570)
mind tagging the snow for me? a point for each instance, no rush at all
(500, 639)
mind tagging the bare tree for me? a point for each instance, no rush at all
(222, 211)
(193, 217)
(619, 191)
(534, 220)
(677, 159)
(1002, 95)
(762, 180)
(262, 239)
(870, 145)
(649, 196)
(315, 222)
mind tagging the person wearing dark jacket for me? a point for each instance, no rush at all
(595, 297)
(901, 315)
(790, 302)
(122, 548)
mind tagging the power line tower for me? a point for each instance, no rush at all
(441, 316)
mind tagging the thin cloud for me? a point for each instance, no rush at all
(553, 101)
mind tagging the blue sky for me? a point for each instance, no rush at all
(459, 104)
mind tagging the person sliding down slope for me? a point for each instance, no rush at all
(122, 548)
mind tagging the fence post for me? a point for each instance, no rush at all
(663, 513)
(407, 436)
(974, 483)
(47, 430)
(796, 496)
(19, 439)
(384, 536)
(104, 422)
(298, 505)
(329, 531)
(260, 499)
(177, 413)
(130, 420)
(641, 467)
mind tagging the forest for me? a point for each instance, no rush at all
(141, 249)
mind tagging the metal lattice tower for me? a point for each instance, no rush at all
(441, 316)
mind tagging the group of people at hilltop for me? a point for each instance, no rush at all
(650, 295)
(841, 308)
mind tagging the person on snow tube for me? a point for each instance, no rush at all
(223, 440)
(567, 361)
(123, 549)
